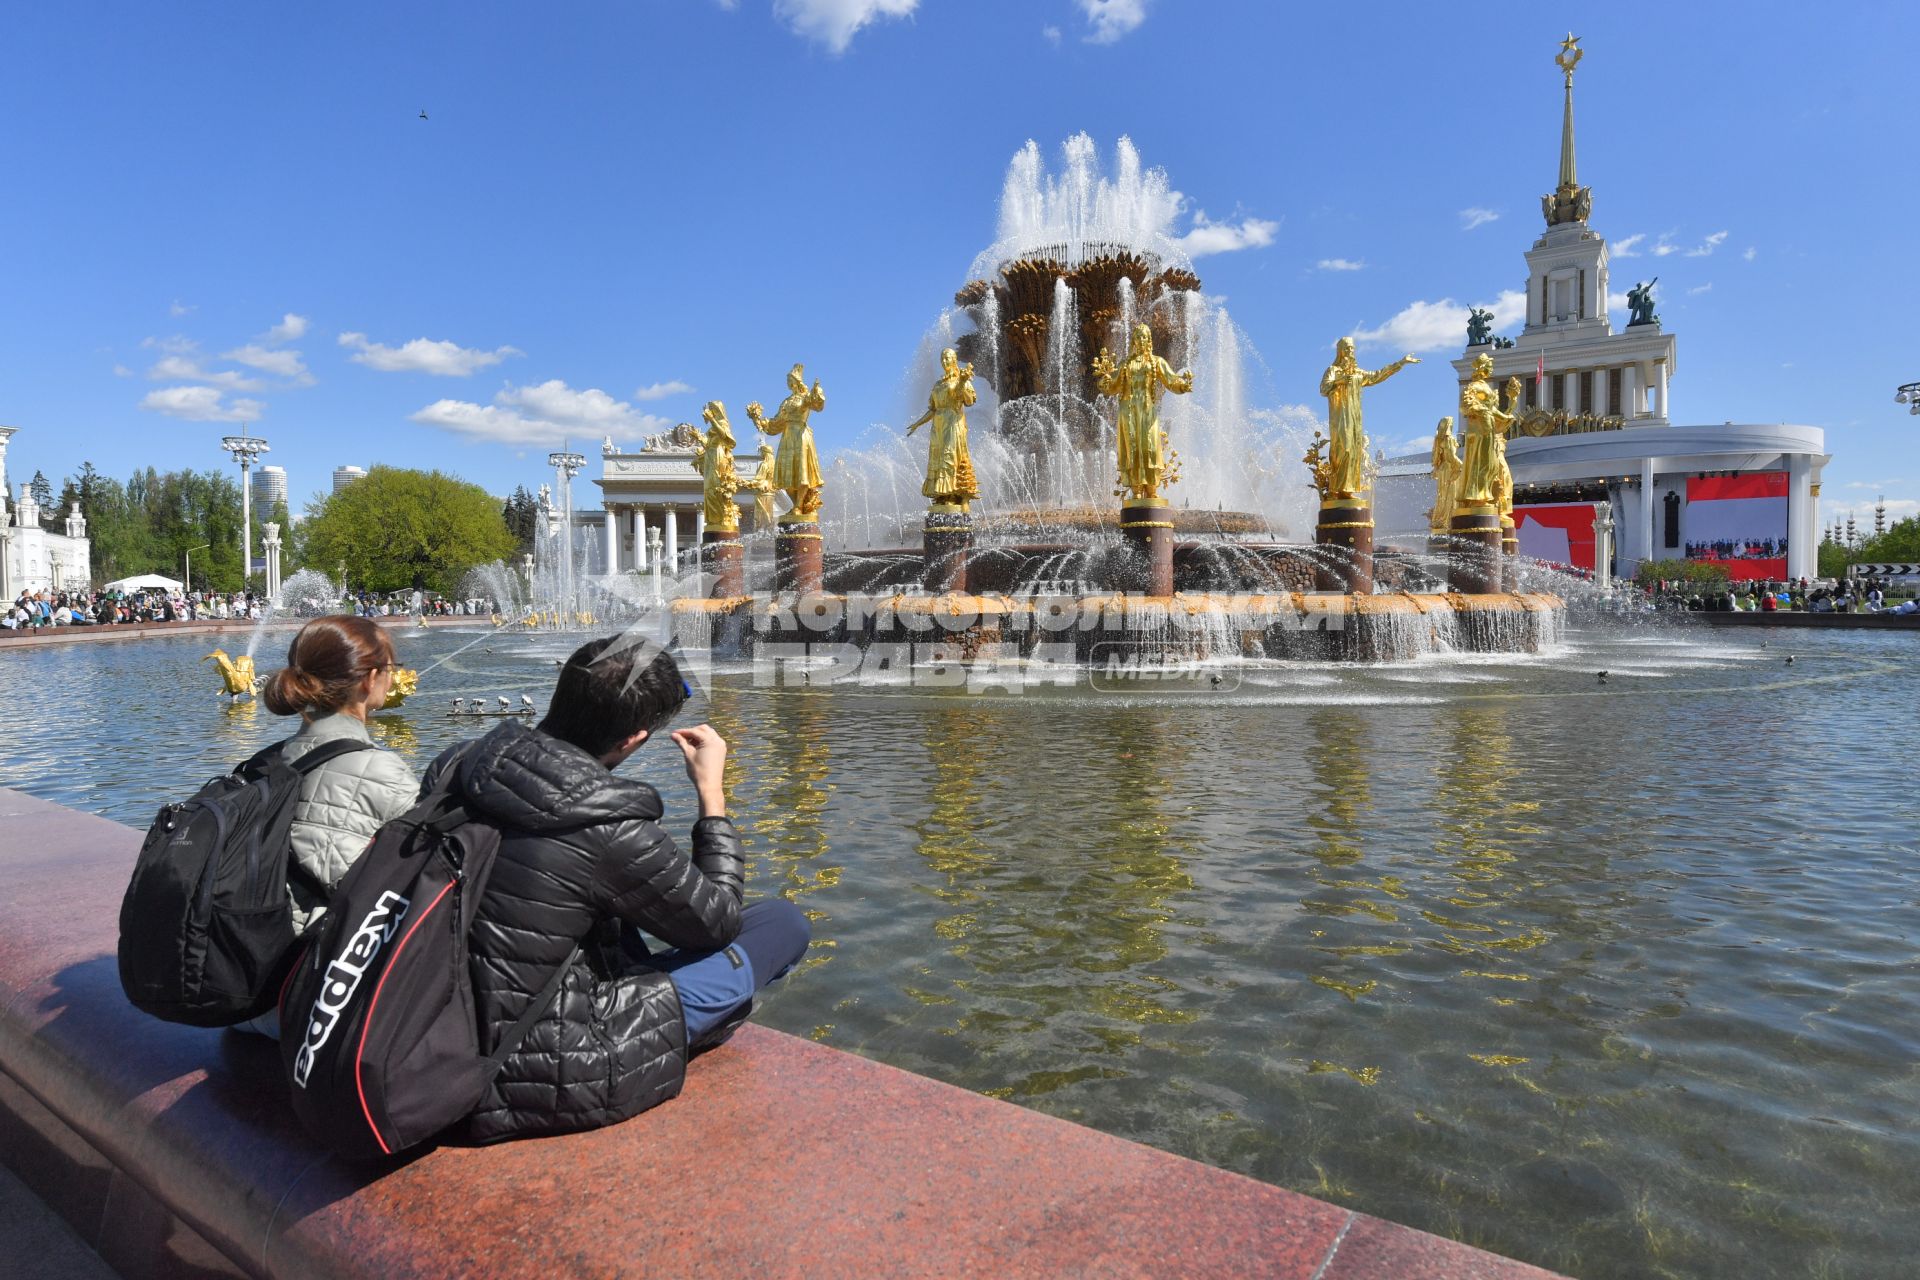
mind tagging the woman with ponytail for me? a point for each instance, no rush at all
(338, 672)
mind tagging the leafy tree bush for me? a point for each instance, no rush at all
(1699, 575)
(398, 529)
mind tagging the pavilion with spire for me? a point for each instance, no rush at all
(1593, 444)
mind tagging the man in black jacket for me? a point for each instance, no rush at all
(584, 869)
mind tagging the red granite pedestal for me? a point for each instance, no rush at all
(947, 538)
(1476, 559)
(1346, 530)
(1509, 557)
(798, 558)
(1146, 530)
(726, 561)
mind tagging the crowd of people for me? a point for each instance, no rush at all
(36, 609)
(1846, 595)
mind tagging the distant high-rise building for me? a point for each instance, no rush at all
(344, 476)
(269, 488)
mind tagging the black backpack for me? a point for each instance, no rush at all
(206, 929)
(378, 1030)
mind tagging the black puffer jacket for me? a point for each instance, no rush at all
(580, 853)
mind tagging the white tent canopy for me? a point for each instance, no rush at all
(143, 582)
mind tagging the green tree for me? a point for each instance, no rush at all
(1901, 543)
(1833, 560)
(1698, 575)
(43, 497)
(522, 515)
(397, 529)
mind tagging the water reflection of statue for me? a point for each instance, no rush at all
(1483, 421)
(797, 468)
(1640, 304)
(1446, 477)
(714, 462)
(950, 484)
(1145, 461)
(1342, 384)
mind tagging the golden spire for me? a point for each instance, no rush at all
(1570, 201)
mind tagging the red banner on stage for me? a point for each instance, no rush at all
(1739, 522)
(1559, 533)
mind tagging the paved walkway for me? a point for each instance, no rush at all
(35, 1244)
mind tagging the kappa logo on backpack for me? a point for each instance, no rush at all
(378, 1029)
(206, 927)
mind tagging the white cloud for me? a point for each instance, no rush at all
(1051, 35)
(188, 369)
(200, 404)
(290, 329)
(1616, 302)
(281, 364)
(661, 390)
(178, 309)
(1112, 20)
(1437, 326)
(1476, 217)
(424, 355)
(1700, 289)
(177, 345)
(1208, 236)
(834, 22)
(1751, 253)
(1339, 264)
(121, 371)
(550, 413)
(1708, 245)
(1626, 246)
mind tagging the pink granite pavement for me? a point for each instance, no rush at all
(172, 1152)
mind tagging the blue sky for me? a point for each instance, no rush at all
(615, 212)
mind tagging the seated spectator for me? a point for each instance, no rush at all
(584, 867)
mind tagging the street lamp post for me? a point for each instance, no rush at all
(245, 449)
(190, 550)
(567, 465)
(1909, 395)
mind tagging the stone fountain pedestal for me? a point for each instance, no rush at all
(798, 557)
(726, 561)
(1477, 564)
(947, 539)
(1146, 531)
(1346, 528)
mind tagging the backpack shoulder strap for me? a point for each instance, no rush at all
(535, 1008)
(328, 751)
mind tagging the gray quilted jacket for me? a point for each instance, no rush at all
(342, 803)
(582, 854)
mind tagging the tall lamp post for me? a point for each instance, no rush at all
(1909, 395)
(245, 449)
(567, 465)
(190, 550)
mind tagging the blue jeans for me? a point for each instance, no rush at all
(713, 984)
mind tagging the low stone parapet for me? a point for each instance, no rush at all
(172, 1151)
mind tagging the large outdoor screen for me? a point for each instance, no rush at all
(1559, 533)
(1739, 522)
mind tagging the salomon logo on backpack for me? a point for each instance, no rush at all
(206, 927)
(377, 1025)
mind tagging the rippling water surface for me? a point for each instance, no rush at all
(1615, 978)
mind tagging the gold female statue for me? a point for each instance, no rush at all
(1342, 384)
(1503, 474)
(1485, 423)
(1446, 478)
(797, 468)
(950, 485)
(714, 462)
(763, 487)
(1145, 461)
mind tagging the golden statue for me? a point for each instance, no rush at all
(1145, 461)
(1446, 478)
(237, 677)
(1502, 487)
(714, 462)
(1341, 384)
(796, 470)
(1484, 425)
(1317, 465)
(405, 684)
(763, 488)
(950, 485)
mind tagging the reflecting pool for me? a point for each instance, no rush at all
(1615, 977)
